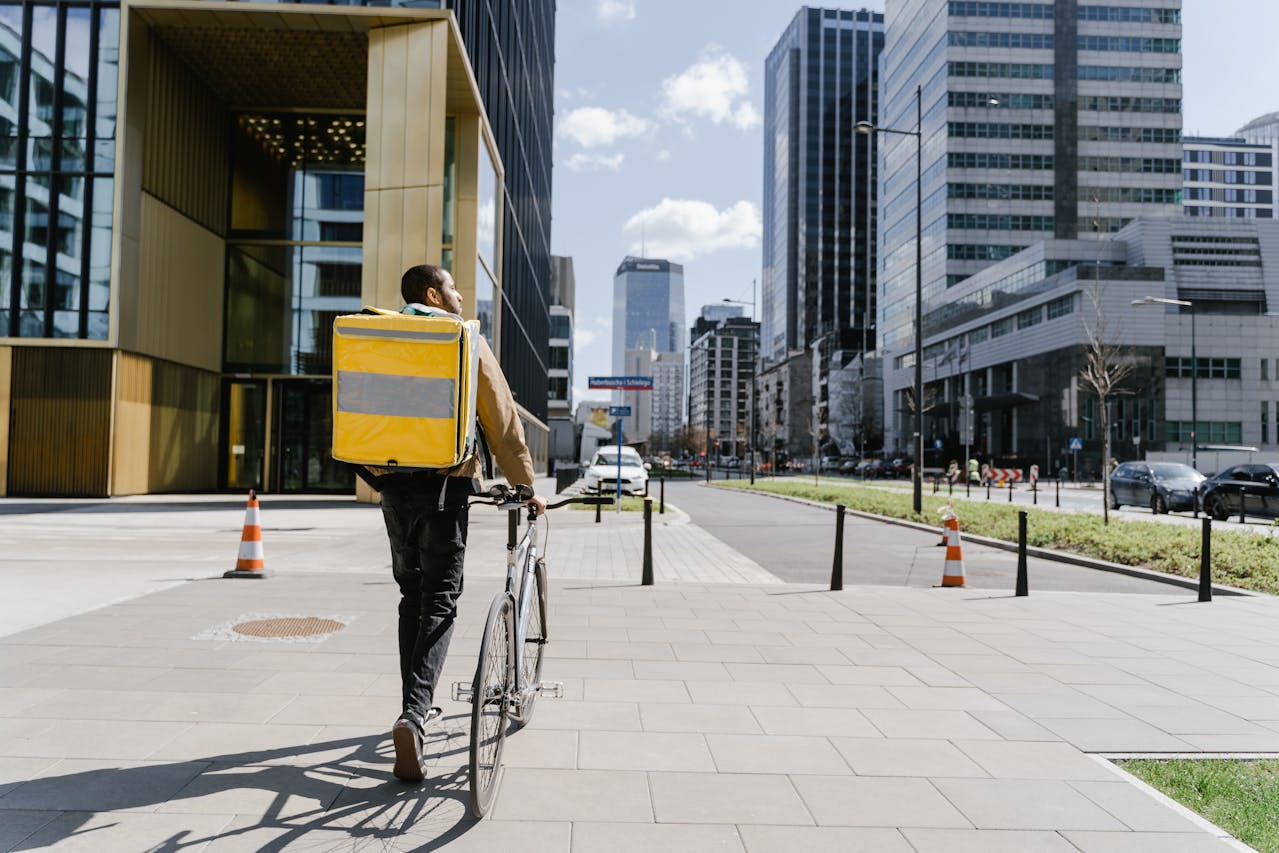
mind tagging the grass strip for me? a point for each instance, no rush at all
(1244, 560)
(630, 503)
(1240, 796)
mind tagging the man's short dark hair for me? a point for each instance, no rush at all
(418, 280)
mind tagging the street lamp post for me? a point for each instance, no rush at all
(918, 133)
(750, 425)
(1194, 375)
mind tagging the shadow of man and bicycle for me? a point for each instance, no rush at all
(326, 796)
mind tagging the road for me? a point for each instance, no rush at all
(796, 543)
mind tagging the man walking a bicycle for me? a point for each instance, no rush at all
(426, 522)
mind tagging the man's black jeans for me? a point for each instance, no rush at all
(428, 546)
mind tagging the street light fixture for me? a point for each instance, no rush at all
(750, 426)
(866, 127)
(1194, 374)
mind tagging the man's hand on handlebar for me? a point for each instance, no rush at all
(539, 502)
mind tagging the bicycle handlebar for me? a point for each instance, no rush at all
(505, 497)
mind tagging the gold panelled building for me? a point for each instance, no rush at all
(174, 254)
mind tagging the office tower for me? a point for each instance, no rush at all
(648, 308)
(668, 399)
(1040, 121)
(721, 370)
(1235, 177)
(819, 187)
(560, 351)
(819, 253)
(191, 258)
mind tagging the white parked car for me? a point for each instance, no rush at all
(602, 472)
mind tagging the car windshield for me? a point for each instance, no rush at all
(1175, 471)
(611, 459)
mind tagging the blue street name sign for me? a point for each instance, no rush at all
(619, 411)
(621, 383)
(1076, 444)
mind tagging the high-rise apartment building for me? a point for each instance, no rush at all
(1040, 121)
(1229, 177)
(721, 370)
(648, 308)
(819, 263)
(194, 195)
(668, 399)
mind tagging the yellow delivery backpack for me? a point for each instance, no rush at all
(404, 389)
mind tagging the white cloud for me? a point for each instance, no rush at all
(663, 156)
(592, 127)
(614, 11)
(681, 229)
(583, 338)
(583, 162)
(715, 87)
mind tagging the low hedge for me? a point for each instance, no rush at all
(1245, 560)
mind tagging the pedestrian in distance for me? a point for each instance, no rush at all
(426, 519)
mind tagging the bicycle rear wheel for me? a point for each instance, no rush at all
(491, 704)
(534, 644)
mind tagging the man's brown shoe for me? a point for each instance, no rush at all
(408, 751)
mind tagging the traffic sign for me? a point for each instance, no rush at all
(1076, 444)
(621, 383)
(619, 411)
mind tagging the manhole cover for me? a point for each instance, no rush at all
(299, 626)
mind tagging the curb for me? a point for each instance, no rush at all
(1039, 553)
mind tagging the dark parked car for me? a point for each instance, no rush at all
(1162, 486)
(901, 467)
(1259, 485)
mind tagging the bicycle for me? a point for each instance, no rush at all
(508, 675)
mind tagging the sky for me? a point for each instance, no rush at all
(659, 141)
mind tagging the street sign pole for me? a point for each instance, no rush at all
(619, 466)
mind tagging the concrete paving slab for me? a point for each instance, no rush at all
(646, 751)
(1147, 842)
(1025, 804)
(1028, 760)
(574, 795)
(789, 754)
(824, 722)
(986, 841)
(669, 838)
(905, 757)
(871, 801)
(823, 839)
(727, 798)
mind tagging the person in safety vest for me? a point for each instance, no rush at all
(426, 517)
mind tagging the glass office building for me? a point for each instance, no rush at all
(819, 182)
(1040, 121)
(177, 238)
(648, 308)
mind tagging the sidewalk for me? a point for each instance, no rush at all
(698, 716)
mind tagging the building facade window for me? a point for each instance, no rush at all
(1216, 432)
(57, 157)
(1061, 307)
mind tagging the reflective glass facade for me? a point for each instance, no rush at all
(819, 182)
(58, 77)
(648, 308)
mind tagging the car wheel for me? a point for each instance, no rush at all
(1158, 505)
(1216, 507)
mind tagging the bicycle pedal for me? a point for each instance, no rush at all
(463, 691)
(552, 689)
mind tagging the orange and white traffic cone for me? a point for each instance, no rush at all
(251, 562)
(953, 573)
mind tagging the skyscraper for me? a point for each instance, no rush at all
(1040, 120)
(819, 184)
(648, 308)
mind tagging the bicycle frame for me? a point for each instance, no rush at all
(521, 557)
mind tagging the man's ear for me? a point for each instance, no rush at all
(433, 297)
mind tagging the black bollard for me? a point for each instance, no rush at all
(661, 508)
(988, 489)
(647, 579)
(1243, 501)
(1034, 493)
(950, 486)
(934, 484)
(598, 493)
(1023, 584)
(1010, 489)
(1205, 561)
(646, 479)
(837, 565)
(968, 486)
(1059, 493)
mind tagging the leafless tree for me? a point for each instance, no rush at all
(1106, 366)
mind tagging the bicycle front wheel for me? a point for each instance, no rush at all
(534, 644)
(491, 704)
